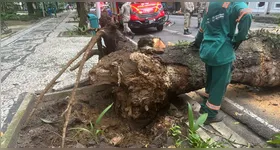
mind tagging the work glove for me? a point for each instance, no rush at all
(236, 45)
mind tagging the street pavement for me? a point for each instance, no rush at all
(174, 33)
(171, 34)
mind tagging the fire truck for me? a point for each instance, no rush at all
(143, 15)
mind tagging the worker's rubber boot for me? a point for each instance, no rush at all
(218, 118)
(187, 32)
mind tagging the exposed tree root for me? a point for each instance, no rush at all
(72, 98)
(90, 54)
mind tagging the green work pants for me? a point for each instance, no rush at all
(218, 78)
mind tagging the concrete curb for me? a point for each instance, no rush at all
(10, 136)
(257, 124)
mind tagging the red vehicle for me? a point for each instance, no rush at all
(145, 15)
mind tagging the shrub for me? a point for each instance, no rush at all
(14, 16)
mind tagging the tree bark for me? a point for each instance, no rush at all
(30, 8)
(82, 14)
(144, 84)
(3, 7)
(56, 4)
(78, 8)
(43, 9)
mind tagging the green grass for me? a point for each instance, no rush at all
(93, 129)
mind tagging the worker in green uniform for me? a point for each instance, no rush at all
(218, 40)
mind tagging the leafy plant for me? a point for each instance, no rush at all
(275, 139)
(193, 139)
(81, 30)
(78, 30)
(176, 133)
(93, 128)
(194, 125)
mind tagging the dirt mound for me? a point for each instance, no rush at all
(47, 133)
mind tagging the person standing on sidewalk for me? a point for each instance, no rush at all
(55, 10)
(125, 12)
(187, 8)
(201, 6)
(217, 41)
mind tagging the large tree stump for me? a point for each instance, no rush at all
(144, 84)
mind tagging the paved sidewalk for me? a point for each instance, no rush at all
(30, 59)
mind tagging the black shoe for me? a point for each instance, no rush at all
(187, 32)
(198, 26)
(132, 35)
(219, 117)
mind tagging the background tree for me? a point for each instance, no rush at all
(8, 7)
(56, 4)
(82, 13)
(78, 8)
(30, 8)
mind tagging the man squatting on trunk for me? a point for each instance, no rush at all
(125, 12)
(217, 41)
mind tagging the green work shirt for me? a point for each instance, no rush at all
(218, 29)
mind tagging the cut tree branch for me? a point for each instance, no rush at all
(91, 53)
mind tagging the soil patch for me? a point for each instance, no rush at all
(47, 134)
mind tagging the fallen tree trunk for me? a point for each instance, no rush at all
(145, 84)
